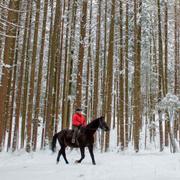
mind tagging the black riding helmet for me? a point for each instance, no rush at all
(78, 109)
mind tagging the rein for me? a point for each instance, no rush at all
(91, 128)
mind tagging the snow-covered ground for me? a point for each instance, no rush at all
(110, 166)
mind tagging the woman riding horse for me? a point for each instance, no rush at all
(78, 120)
(85, 139)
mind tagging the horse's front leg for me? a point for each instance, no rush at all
(90, 147)
(82, 155)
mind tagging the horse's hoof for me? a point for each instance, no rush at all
(57, 162)
(77, 161)
(94, 163)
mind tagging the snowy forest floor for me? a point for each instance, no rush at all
(110, 166)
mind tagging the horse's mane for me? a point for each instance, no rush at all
(93, 123)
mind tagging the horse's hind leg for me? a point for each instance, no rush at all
(64, 154)
(82, 155)
(62, 151)
(59, 154)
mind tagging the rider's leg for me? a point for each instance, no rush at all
(75, 128)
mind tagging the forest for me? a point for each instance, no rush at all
(114, 58)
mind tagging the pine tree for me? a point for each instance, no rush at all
(32, 77)
(20, 82)
(39, 83)
(126, 73)
(26, 77)
(44, 127)
(121, 81)
(51, 84)
(66, 76)
(70, 55)
(166, 139)
(137, 74)
(160, 84)
(109, 77)
(96, 68)
(88, 98)
(104, 59)
(81, 54)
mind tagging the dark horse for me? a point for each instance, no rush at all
(85, 138)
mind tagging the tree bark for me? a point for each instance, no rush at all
(109, 78)
(137, 74)
(160, 84)
(121, 81)
(39, 83)
(32, 77)
(8, 59)
(81, 55)
(96, 68)
(126, 74)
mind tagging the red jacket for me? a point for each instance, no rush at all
(78, 120)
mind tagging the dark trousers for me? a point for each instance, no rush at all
(75, 128)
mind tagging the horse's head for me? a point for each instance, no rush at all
(102, 124)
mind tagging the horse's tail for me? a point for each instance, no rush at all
(53, 145)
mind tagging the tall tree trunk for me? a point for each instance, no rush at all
(11, 92)
(166, 138)
(11, 106)
(160, 85)
(109, 78)
(175, 50)
(51, 90)
(96, 68)
(57, 74)
(39, 83)
(104, 72)
(65, 118)
(121, 81)
(26, 77)
(70, 55)
(8, 58)
(126, 73)
(173, 128)
(32, 77)
(20, 82)
(47, 78)
(2, 30)
(137, 74)
(88, 74)
(11, 103)
(81, 54)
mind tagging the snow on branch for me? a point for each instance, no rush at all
(4, 22)
(6, 65)
(171, 101)
(5, 35)
(9, 9)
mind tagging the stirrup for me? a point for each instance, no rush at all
(73, 141)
